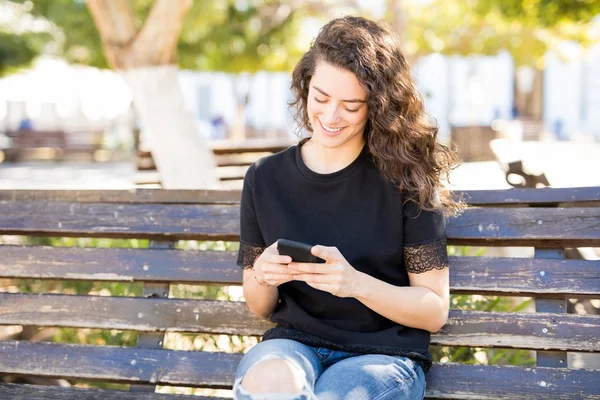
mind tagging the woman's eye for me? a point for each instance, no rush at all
(349, 110)
(319, 100)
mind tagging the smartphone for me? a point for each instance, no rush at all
(300, 252)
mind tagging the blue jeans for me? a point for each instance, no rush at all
(336, 375)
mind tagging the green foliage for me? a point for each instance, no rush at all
(217, 35)
(18, 51)
(544, 13)
(526, 29)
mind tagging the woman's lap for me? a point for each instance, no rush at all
(338, 375)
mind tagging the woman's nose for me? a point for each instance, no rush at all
(331, 114)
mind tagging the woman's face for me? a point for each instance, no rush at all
(337, 107)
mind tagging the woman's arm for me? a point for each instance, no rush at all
(422, 305)
(261, 300)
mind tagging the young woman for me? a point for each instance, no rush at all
(365, 188)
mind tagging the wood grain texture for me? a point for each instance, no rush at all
(141, 196)
(455, 381)
(540, 227)
(151, 221)
(130, 313)
(201, 369)
(524, 196)
(118, 364)
(510, 197)
(478, 275)
(10, 391)
(539, 331)
(525, 276)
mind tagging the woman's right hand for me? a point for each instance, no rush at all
(271, 269)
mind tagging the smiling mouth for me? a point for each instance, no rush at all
(328, 129)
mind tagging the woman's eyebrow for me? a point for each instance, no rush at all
(345, 101)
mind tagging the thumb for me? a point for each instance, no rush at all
(327, 253)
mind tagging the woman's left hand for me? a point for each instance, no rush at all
(336, 276)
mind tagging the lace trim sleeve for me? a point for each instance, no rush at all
(247, 254)
(426, 257)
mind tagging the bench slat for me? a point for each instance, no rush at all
(540, 227)
(479, 275)
(9, 391)
(130, 313)
(519, 196)
(118, 364)
(141, 196)
(525, 276)
(202, 369)
(455, 381)
(464, 328)
(120, 265)
(151, 221)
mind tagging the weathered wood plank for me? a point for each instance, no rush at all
(130, 313)
(118, 364)
(120, 265)
(531, 196)
(540, 227)
(10, 391)
(464, 328)
(125, 196)
(525, 276)
(538, 331)
(202, 369)
(455, 381)
(478, 275)
(152, 221)
(511, 197)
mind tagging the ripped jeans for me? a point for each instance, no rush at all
(336, 375)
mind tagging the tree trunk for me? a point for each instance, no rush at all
(180, 153)
(146, 58)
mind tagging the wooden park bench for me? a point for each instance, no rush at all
(549, 220)
(233, 158)
(55, 144)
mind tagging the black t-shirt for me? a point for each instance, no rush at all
(357, 210)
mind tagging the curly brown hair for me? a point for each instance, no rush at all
(400, 139)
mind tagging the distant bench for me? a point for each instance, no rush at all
(547, 219)
(232, 158)
(56, 143)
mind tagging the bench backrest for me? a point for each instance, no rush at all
(549, 220)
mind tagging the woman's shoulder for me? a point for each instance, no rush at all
(273, 163)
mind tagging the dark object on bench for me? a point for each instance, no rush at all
(548, 219)
(527, 180)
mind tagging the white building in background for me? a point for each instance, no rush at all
(460, 91)
(457, 91)
(572, 94)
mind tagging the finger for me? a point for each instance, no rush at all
(314, 278)
(312, 268)
(274, 268)
(327, 253)
(309, 268)
(277, 259)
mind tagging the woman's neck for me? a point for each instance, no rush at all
(326, 160)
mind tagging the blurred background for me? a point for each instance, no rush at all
(95, 95)
(181, 94)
